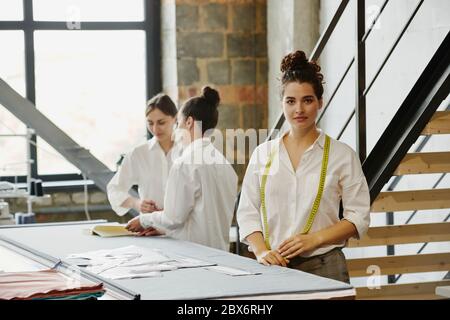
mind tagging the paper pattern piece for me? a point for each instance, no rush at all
(132, 262)
(231, 271)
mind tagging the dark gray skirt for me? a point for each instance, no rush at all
(328, 265)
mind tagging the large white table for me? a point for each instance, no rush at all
(59, 240)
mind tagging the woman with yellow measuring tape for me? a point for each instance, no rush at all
(289, 207)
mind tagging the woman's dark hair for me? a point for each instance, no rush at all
(163, 103)
(203, 108)
(295, 67)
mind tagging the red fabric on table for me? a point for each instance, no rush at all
(42, 284)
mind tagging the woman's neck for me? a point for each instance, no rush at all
(303, 137)
(196, 135)
(166, 145)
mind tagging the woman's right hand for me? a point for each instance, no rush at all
(151, 232)
(271, 257)
(147, 206)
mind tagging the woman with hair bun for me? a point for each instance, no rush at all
(202, 185)
(289, 207)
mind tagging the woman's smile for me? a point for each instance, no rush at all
(300, 119)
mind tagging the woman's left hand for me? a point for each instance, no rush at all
(298, 244)
(134, 225)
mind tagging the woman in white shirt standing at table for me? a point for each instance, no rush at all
(147, 165)
(289, 206)
(202, 185)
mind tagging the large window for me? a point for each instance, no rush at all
(84, 64)
(91, 84)
(12, 59)
(11, 10)
(88, 10)
(12, 71)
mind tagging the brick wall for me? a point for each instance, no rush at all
(223, 43)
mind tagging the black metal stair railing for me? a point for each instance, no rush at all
(385, 60)
(350, 64)
(430, 90)
(424, 98)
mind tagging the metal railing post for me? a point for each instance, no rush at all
(360, 70)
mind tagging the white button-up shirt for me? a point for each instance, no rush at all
(146, 166)
(200, 197)
(290, 194)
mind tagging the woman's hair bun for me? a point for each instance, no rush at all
(294, 61)
(211, 95)
(296, 67)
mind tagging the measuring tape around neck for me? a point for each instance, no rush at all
(314, 209)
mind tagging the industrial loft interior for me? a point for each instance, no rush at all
(224, 149)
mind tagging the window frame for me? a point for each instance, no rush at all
(151, 25)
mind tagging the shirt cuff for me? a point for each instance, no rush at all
(146, 220)
(247, 228)
(360, 224)
(121, 211)
(116, 198)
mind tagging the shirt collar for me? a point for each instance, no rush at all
(196, 144)
(153, 143)
(320, 141)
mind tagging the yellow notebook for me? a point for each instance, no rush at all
(110, 231)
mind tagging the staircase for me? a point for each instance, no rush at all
(397, 201)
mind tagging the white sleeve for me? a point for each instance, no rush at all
(181, 192)
(248, 213)
(119, 186)
(355, 196)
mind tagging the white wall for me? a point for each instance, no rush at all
(169, 49)
(285, 18)
(420, 42)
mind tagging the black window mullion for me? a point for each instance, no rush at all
(30, 72)
(90, 25)
(11, 25)
(153, 49)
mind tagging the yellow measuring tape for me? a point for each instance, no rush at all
(315, 208)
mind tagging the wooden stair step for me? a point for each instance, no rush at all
(391, 265)
(424, 162)
(412, 200)
(409, 291)
(439, 124)
(403, 234)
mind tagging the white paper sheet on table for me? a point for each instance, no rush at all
(130, 253)
(143, 271)
(137, 271)
(231, 271)
(133, 262)
(187, 262)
